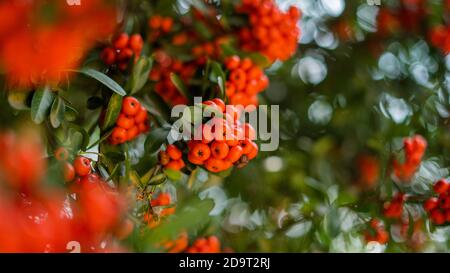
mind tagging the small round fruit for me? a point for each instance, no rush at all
(82, 166)
(201, 151)
(118, 135)
(219, 149)
(68, 172)
(430, 204)
(61, 154)
(441, 186)
(125, 122)
(130, 106)
(173, 152)
(141, 115)
(121, 41)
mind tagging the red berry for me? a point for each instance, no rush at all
(130, 106)
(141, 115)
(82, 166)
(437, 217)
(441, 186)
(118, 135)
(121, 41)
(173, 152)
(136, 43)
(61, 154)
(69, 172)
(431, 204)
(125, 122)
(108, 56)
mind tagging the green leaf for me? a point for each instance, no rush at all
(41, 103)
(217, 75)
(139, 75)
(176, 80)
(71, 113)
(173, 175)
(84, 135)
(157, 179)
(57, 112)
(155, 139)
(104, 79)
(115, 157)
(113, 111)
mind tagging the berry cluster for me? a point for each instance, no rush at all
(224, 141)
(132, 121)
(159, 209)
(208, 50)
(394, 208)
(439, 207)
(159, 25)
(178, 245)
(163, 67)
(80, 168)
(245, 81)
(123, 49)
(171, 158)
(414, 150)
(376, 232)
(210, 244)
(41, 218)
(271, 32)
(406, 17)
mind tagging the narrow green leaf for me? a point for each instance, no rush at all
(155, 139)
(217, 75)
(104, 79)
(41, 103)
(172, 174)
(139, 75)
(57, 112)
(113, 111)
(176, 80)
(84, 135)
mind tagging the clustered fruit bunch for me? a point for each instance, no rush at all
(225, 141)
(245, 81)
(414, 150)
(161, 73)
(377, 232)
(41, 218)
(122, 50)
(132, 121)
(161, 207)
(270, 31)
(438, 208)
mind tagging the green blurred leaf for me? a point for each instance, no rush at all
(176, 80)
(41, 103)
(139, 75)
(113, 111)
(156, 139)
(57, 112)
(104, 79)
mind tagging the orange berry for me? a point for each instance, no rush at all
(234, 154)
(219, 149)
(68, 172)
(219, 104)
(441, 186)
(238, 77)
(143, 127)
(166, 24)
(136, 43)
(246, 64)
(61, 154)
(194, 159)
(175, 165)
(164, 158)
(121, 41)
(232, 62)
(82, 166)
(254, 151)
(108, 56)
(430, 204)
(201, 151)
(125, 122)
(155, 22)
(173, 152)
(214, 165)
(130, 106)
(246, 145)
(141, 115)
(125, 55)
(230, 89)
(118, 135)
(249, 131)
(132, 133)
